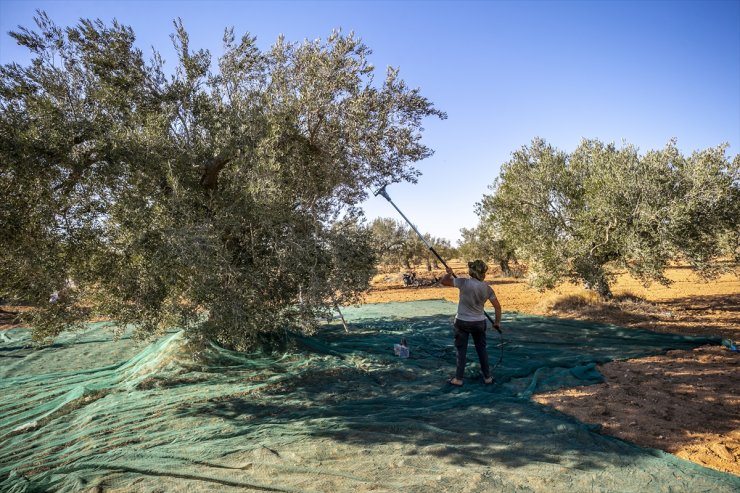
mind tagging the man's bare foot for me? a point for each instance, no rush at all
(488, 380)
(456, 382)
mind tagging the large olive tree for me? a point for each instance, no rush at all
(217, 197)
(581, 216)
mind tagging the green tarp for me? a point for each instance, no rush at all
(336, 412)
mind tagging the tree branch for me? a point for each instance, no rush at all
(209, 175)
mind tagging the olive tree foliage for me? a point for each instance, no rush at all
(582, 216)
(223, 200)
(390, 239)
(397, 245)
(485, 242)
(424, 257)
(443, 247)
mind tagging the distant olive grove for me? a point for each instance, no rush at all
(397, 246)
(584, 215)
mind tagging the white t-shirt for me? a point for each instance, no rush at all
(473, 296)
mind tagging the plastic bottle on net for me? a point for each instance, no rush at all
(401, 350)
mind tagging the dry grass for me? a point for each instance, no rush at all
(689, 305)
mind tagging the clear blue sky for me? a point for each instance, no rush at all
(505, 72)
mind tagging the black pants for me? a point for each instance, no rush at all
(478, 330)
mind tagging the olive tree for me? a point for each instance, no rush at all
(485, 242)
(397, 245)
(220, 196)
(579, 217)
(442, 246)
(390, 241)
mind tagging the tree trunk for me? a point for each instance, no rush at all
(591, 270)
(344, 322)
(210, 171)
(505, 269)
(600, 286)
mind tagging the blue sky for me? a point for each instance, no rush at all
(636, 71)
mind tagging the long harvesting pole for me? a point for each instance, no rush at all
(382, 191)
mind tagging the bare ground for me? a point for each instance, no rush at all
(684, 402)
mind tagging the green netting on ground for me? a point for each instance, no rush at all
(340, 412)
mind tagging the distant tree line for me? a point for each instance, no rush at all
(485, 242)
(396, 245)
(582, 216)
